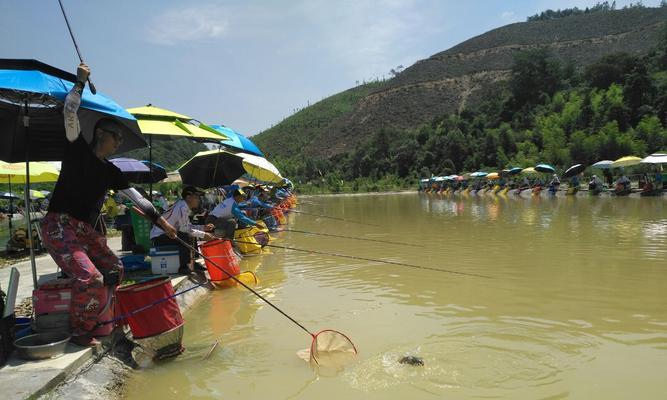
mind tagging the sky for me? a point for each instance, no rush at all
(247, 64)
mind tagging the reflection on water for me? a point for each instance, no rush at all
(574, 306)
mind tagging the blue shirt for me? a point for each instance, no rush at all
(240, 215)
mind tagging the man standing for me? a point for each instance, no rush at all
(67, 229)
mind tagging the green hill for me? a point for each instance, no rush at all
(456, 79)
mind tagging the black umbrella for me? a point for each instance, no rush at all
(212, 169)
(574, 170)
(140, 171)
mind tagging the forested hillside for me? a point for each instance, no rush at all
(547, 111)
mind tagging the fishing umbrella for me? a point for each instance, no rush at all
(626, 161)
(574, 170)
(36, 194)
(237, 141)
(260, 168)
(604, 164)
(479, 174)
(37, 90)
(32, 128)
(493, 175)
(546, 168)
(9, 196)
(212, 168)
(157, 174)
(529, 170)
(136, 171)
(39, 172)
(656, 158)
(165, 124)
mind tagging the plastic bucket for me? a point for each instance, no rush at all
(278, 215)
(220, 252)
(106, 314)
(155, 319)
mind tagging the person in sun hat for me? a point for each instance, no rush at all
(227, 215)
(178, 215)
(67, 229)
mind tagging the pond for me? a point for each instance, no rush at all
(570, 302)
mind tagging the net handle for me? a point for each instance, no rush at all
(191, 248)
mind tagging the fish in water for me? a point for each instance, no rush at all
(412, 360)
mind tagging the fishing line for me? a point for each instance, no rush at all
(371, 259)
(326, 216)
(191, 248)
(93, 90)
(350, 237)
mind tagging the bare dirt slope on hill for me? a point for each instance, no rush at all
(457, 78)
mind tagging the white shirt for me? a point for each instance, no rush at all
(224, 209)
(178, 217)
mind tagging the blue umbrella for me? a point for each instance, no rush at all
(237, 140)
(546, 168)
(479, 174)
(32, 128)
(38, 90)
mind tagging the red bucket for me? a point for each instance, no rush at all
(153, 320)
(220, 252)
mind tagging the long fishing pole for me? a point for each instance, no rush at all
(326, 216)
(71, 34)
(350, 237)
(372, 260)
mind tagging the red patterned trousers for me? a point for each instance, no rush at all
(81, 252)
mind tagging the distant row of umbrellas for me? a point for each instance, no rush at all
(627, 161)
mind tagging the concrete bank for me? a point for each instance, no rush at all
(80, 373)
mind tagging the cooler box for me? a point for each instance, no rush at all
(142, 230)
(164, 260)
(52, 297)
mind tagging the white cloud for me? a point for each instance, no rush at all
(188, 24)
(508, 16)
(369, 38)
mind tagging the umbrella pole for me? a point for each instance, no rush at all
(150, 166)
(11, 205)
(26, 125)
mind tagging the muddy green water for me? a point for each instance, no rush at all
(576, 306)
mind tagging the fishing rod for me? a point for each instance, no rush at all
(191, 248)
(93, 90)
(326, 216)
(371, 260)
(349, 237)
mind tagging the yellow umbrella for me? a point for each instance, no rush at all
(156, 121)
(493, 175)
(529, 170)
(260, 168)
(39, 172)
(626, 161)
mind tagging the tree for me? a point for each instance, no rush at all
(610, 69)
(535, 74)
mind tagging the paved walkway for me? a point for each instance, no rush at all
(28, 379)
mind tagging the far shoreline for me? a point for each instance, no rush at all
(350, 194)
